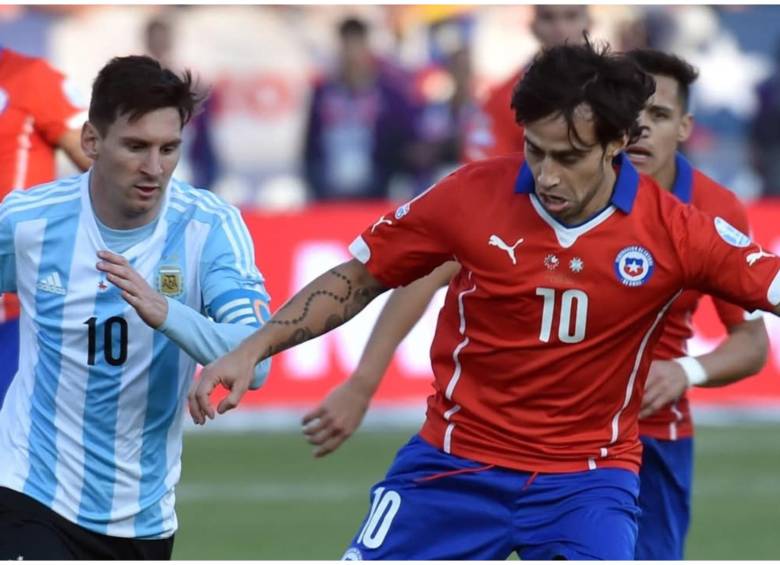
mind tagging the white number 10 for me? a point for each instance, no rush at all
(568, 300)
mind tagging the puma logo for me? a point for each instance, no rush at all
(379, 222)
(753, 257)
(498, 242)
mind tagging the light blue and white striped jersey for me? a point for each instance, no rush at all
(92, 423)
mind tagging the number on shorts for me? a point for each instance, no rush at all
(384, 507)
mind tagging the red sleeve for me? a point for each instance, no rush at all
(53, 102)
(408, 243)
(733, 211)
(719, 259)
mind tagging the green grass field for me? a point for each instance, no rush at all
(262, 496)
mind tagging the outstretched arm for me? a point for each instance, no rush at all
(331, 299)
(341, 412)
(741, 354)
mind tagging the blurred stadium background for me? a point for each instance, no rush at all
(250, 488)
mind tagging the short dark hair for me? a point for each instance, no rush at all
(353, 27)
(137, 85)
(562, 78)
(659, 63)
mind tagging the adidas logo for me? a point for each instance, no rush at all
(52, 284)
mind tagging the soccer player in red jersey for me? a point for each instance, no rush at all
(570, 262)
(665, 425)
(666, 429)
(39, 112)
(493, 130)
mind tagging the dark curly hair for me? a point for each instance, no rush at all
(659, 63)
(562, 78)
(137, 85)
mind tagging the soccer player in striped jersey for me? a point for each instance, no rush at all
(665, 425)
(40, 111)
(570, 261)
(115, 270)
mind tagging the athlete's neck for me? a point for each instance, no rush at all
(666, 175)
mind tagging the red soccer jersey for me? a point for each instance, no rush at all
(545, 337)
(694, 187)
(493, 131)
(36, 108)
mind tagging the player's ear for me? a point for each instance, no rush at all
(90, 139)
(686, 128)
(616, 146)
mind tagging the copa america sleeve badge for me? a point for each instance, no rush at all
(169, 281)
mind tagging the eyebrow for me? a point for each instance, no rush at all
(573, 152)
(131, 139)
(664, 107)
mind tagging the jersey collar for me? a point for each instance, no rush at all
(683, 180)
(623, 195)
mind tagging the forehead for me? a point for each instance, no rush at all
(667, 92)
(552, 133)
(160, 124)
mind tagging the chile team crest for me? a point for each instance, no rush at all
(634, 265)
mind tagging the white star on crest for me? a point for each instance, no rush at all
(576, 264)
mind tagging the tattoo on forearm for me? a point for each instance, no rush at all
(315, 294)
(299, 336)
(353, 301)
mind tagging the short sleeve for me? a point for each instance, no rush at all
(233, 288)
(719, 259)
(408, 243)
(57, 104)
(731, 315)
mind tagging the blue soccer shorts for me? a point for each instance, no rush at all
(432, 505)
(665, 498)
(9, 354)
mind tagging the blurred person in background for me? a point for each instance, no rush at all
(360, 125)
(41, 111)
(665, 424)
(765, 132)
(494, 131)
(445, 90)
(199, 163)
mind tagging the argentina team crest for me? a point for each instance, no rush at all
(634, 265)
(170, 281)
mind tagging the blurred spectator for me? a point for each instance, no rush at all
(448, 107)
(40, 111)
(360, 124)
(198, 164)
(765, 132)
(494, 131)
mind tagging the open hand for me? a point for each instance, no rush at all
(336, 418)
(150, 305)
